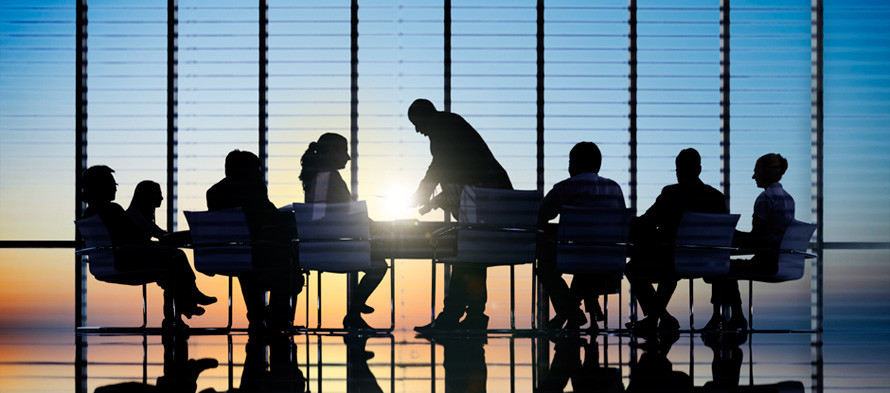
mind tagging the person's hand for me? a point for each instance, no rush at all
(425, 208)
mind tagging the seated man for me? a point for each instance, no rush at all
(654, 232)
(243, 187)
(584, 188)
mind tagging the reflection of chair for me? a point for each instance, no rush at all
(496, 227)
(791, 261)
(594, 241)
(222, 244)
(103, 258)
(702, 247)
(335, 237)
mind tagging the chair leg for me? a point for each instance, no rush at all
(691, 307)
(229, 324)
(751, 305)
(318, 300)
(392, 294)
(512, 298)
(433, 291)
(144, 306)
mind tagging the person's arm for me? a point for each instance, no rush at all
(145, 225)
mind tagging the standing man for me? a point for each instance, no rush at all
(657, 228)
(460, 158)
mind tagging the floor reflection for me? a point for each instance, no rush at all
(407, 363)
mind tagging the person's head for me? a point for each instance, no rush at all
(98, 184)
(329, 153)
(147, 195)
(243, 165)
(688, 165)
(585, 157)
(769, 169)
(419, 114)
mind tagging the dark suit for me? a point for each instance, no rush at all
(654, 232)
(461, 157)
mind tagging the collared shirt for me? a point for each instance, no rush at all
(776, 208)
(585, 189)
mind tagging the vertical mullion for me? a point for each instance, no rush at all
(724, 98)
(632, 102)
(263, 99)
(817, 161)
(353, 111)
(446, 47)
(80, 152)
(172, 108)
(540, 95)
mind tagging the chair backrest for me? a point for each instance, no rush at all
(95, 235)
(498, 227)
(333, 237)
(592, 240)
(795, 242)
(702, 244)
(221, 241)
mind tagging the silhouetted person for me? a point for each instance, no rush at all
(584, 188)
(322, 183)
(99, 191)
(244, 187)
(180, 372)
(588, 376)
(147, 197)
(359, 378)
(773, 211)
(653, 234)
(460, 158)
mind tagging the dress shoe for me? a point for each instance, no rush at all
(195, 310)
(474, 322)
(648, 324)
(203, 299)
(737, 323)
(577, 320)
(355, 321)
(668, 323)
(441, 323)
(714, 324)
(366, 309)
(556, 322)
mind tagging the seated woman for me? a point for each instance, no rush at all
(322, 183)
(773, 211)
(99, 191)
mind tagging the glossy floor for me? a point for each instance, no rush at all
(60, 361)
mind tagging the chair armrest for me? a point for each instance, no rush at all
(591, 243)
(707, 247)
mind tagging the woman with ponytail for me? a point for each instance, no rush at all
(322, 183)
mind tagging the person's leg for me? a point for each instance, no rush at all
(362, 292)
(253, 300)
(666, 288)
(560, 296)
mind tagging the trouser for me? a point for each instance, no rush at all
(467, 291)
(641, 276)
(368, 284)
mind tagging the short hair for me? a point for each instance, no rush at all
(421, 107)
(773, 164)
(92, 179)
(585, 157)
(688, 161)
(239, 163)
